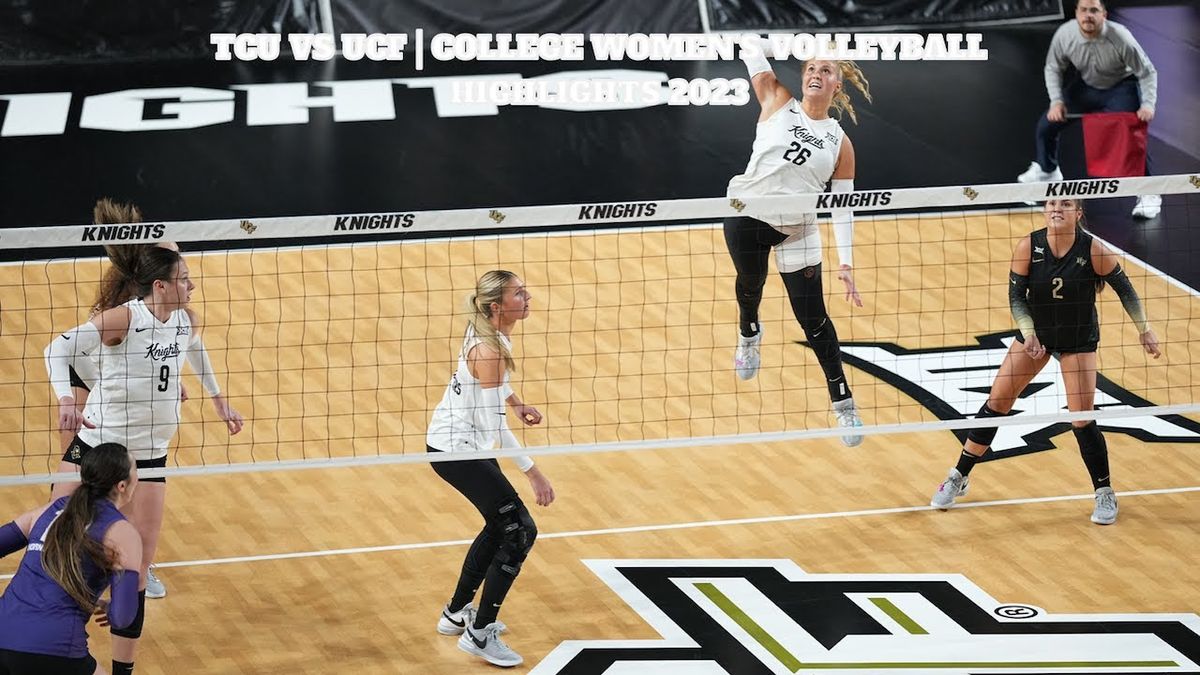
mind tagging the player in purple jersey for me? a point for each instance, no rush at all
(75, 548)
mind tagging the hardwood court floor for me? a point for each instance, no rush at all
(375, 612)
(343, 351)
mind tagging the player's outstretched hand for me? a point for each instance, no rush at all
(542, 490)
(232, 419)
(846, 276)
(69, 417)
(101, 612)
(1034, 348)
(528, 414)
(1150, 343)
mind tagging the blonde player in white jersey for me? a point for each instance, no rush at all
(798, 148)
(140, 347)
(470, 418)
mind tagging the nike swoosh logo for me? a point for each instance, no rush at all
(138, 330)
(478, 643)
(66, 337)
(461, 623)
(1038, 260)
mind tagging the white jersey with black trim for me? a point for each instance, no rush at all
(792, 154)
(136, 400)
(452, 428)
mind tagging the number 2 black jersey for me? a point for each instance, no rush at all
(1062, 294)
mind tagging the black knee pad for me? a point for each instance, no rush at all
(518, 533)
(134, 629)
(984, 436)
(1091, 441)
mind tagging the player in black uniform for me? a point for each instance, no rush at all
(1055, 275)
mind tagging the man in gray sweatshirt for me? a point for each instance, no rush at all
(1114, 75)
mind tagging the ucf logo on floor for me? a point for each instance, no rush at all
(745, 617)
(952, 382)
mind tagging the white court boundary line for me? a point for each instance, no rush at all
(665, 527)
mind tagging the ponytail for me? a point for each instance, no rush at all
(490, 289)
(848, 71)
(67, 541)
(135, 267)
(115, 288)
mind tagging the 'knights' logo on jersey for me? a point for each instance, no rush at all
(805, 136)
(954, 382)
(157, 352)
(751, 617)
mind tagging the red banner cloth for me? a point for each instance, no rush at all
(1114, 144)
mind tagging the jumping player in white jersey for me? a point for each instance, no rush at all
(798, 148)
(140, 347)
(469, 418)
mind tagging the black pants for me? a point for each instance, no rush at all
(750, 241)
(26, 663)
(479, 480)
(496, 554)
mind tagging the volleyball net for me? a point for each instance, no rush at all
(335, 336)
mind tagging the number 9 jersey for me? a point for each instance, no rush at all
(793, 154)
(137, 400)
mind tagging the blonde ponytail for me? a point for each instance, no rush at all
(848, 71)
(490, 289)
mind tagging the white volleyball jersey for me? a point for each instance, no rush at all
(453, 428)
(793, 154)
(136, 400)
